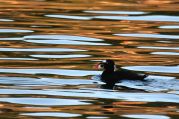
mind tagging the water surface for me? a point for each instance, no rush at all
(48, 51)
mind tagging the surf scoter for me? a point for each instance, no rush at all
(111, 76)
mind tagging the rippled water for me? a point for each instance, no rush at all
(48, 50)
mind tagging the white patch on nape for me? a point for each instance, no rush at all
(115, 68)
(104, 61)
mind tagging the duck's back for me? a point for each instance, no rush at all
(130, 75)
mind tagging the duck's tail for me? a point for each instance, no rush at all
(145, 76)
(142, 76)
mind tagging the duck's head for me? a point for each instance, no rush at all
(107, 65)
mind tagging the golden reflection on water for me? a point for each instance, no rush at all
(133, 33)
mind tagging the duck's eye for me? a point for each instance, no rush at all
(101, 65)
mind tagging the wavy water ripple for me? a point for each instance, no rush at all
(49, 51)
(43, 101)
(63, 39)
(164, 69)
(151, 36)
(51, 71)
(142, 18)
(118, 12)
(69, 17)
(14, 31)
(52, 114)
(141, 116)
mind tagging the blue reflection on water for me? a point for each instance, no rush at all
(89, 93)
(117, 12)
(163, 69)
(51, 114)
(70, 17)
(64, 39)
(52, 71)
(22, 81)
(142, 18)
(61, 56)
(14, 31)
(146, 116)
(159, 47)
(4, 58)
(44, 101)
(6, 20)
(40, 49)
(165, 53)
(169, 27)
(150, 35)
